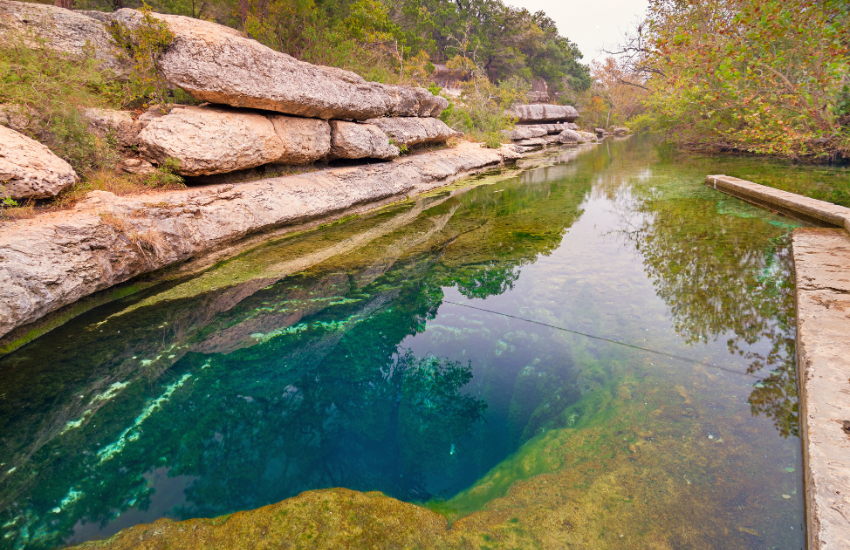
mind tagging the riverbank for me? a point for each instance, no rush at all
(58, 258)
(822, 276)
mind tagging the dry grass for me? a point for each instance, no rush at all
(149, 242)
(121, 184)
(23, 212)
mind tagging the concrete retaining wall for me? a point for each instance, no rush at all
(822, 276)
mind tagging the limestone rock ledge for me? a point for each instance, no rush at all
(71, 33)
(57, 258)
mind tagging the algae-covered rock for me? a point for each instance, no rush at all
(327, 519)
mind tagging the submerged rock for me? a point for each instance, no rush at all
(350, 140)
(218, 64)
(86, 253)
(28, 169)
(413, 131)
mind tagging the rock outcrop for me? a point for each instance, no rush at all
(571, 136)
(218, 64)
(544, 113)
(28, 169)
(16, 117)
(525, 132)
(304, 140)
(588, 136)
(65, 31)
(350, 140)
(54, 260)
(210, 140)
(620, 131)
(411, 131)
(119, 124)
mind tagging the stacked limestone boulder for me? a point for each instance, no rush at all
(542, 124)
(266, 106)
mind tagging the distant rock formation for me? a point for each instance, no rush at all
(411, 131)
(544, 113)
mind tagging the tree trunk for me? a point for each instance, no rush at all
(67, 4)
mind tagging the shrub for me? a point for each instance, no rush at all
(142, 45)
(51, 91)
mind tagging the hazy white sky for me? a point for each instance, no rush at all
(589, 23)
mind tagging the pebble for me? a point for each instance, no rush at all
(786, 496)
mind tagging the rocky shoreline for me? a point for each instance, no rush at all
(264, 108)
(55, 259)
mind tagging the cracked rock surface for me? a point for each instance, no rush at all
(65, 31)
(822, 271)
(28, 169)
(218, 64)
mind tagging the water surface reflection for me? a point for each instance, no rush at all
(349, 358)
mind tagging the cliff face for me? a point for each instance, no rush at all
(55, 259)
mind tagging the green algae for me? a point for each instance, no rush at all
(297, 382)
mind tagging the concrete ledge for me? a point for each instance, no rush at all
(822, 277)
(822, 266)
(815, 212)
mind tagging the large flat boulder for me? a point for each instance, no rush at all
(413, 130)
(544, 113)
(350, 140)
(28, 169)
(525, 132)
(65, 31)
(210, 140)
(218, 64)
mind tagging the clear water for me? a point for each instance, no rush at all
(600, 344)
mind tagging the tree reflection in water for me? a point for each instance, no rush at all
(718, 285)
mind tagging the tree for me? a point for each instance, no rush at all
(764, 76)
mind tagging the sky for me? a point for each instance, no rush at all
(589, 23)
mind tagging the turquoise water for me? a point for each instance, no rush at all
(424, 351)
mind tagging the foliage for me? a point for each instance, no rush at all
(479, 112)
(763, 76)
(142, 44)
(50, 93)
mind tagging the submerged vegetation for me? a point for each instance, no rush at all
(263, 379)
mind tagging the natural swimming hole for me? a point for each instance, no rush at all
(596, 351)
